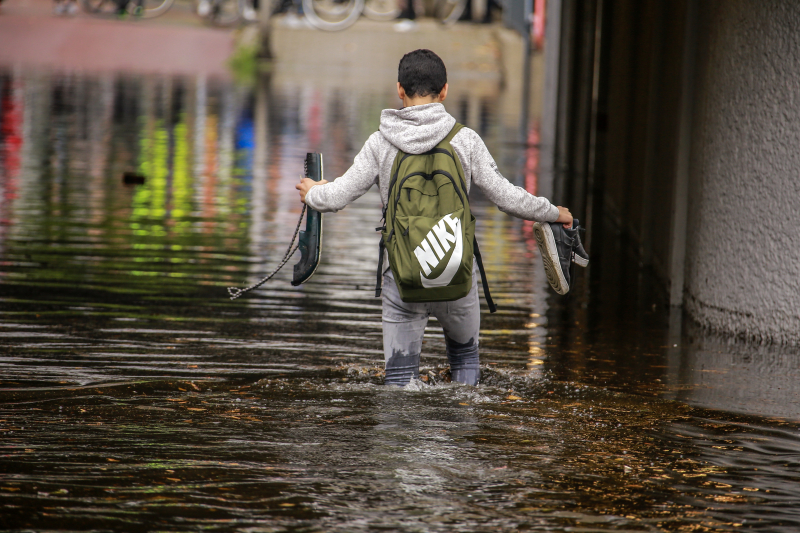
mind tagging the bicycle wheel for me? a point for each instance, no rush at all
(449, 11)
(142, 8)
(332, 15)
(381, 9)
(150, 8)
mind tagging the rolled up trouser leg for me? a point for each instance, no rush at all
(403, 328)
(401, 369)
(461, 321)
(464, 361)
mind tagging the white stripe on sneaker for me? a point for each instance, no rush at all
(580, 261)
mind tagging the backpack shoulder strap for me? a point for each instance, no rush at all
(476, 250)
(452, 133)
(484, 282)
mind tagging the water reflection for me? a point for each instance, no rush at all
(134, 395)
(723, 373)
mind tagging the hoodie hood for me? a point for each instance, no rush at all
(416, 129)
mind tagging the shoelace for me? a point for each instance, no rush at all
(579, 230)
(577, 239)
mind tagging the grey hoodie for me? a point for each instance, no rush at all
(415, 130)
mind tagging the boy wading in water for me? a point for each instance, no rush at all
(419, 128)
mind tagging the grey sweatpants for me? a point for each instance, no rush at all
(404, 325)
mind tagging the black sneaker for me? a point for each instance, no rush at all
(560, 247)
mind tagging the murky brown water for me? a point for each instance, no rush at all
(135, 396)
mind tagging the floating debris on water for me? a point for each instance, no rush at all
(132, 178)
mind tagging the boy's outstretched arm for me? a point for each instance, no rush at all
(509, 198)
(330, 197)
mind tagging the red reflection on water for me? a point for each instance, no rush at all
(11, 108)
(539, 20)
(531, 174)
(10, 140)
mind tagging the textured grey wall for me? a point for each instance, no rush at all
(743, 242)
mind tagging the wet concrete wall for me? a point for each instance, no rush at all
(743, 245)
(639, 124)
(619, 107)
(678, 124)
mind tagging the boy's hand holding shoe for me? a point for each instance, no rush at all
(564, 217)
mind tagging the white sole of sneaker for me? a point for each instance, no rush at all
(549, 253)
(580, 261)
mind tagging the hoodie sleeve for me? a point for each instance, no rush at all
(337, 194)
(509, 198)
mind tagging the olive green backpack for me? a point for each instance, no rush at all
(429, 231)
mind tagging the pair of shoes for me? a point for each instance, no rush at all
(560, 247)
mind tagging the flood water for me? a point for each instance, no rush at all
(135, 396)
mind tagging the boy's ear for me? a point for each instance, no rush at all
(401, 93)
(443, 93)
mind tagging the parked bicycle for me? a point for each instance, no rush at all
(220, 12)
(140, 8)
(336, 15)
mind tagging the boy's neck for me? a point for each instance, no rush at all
(410, 101)
(420, 100)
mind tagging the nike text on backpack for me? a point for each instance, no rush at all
(429, 234)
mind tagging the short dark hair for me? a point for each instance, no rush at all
(422, 73)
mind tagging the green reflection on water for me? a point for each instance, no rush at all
(181, 180)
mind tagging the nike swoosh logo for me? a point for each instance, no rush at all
(444, 279)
